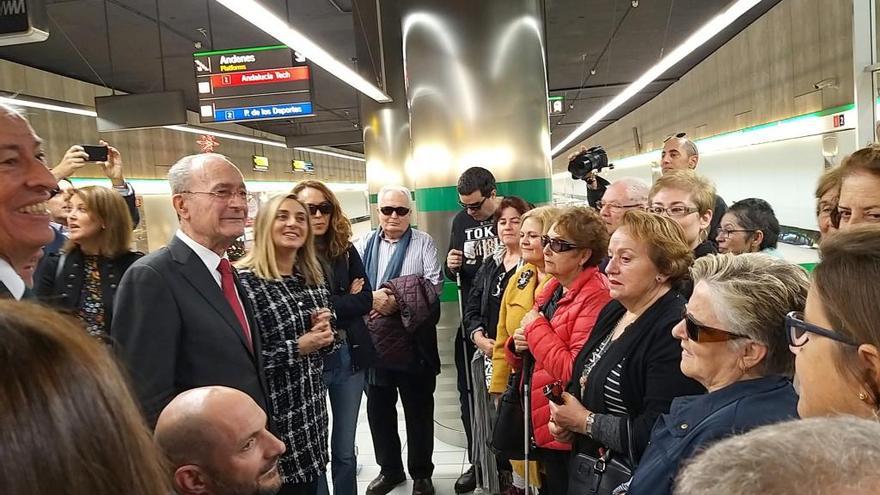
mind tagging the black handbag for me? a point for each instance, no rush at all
(591, 475)
(510, 420)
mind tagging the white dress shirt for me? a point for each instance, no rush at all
(11, 280)
(208, 257)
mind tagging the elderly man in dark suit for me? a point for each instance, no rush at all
(182, 320)
(25, 187)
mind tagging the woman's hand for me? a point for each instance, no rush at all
(520, 344)
(356, 286)
(559, 433)
(529, 318)
(319, 336)
(484, 344)
(570, 415)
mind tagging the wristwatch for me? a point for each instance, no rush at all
(588, 426)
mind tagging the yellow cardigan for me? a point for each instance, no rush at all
(518, 299)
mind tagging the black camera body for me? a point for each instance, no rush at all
(588, 161)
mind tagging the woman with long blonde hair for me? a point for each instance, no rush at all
(283, 280)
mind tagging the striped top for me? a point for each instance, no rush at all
(421, 257)
(613, 394)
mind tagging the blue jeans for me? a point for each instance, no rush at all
(345, 389)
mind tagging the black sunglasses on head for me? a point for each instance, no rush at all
(702, 334)
(325, 208)
(401, 211)
(473, 207)
(557, 245)
(678, 135)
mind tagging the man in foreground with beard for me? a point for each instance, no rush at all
(216, 443)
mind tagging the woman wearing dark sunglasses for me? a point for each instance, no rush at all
(731, 344)
(628, 371)
(552, 333)
(352, 298)
(836, 341)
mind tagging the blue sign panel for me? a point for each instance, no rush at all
(263, 112)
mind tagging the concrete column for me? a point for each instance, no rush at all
(469, 85)
(864, 57)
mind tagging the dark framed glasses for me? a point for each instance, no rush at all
(725, 233)
(797, 331)
(401, 211)
(474, 206)
(702, 334)
(557, 245)
(325, 208)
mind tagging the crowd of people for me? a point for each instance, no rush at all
(654, 342)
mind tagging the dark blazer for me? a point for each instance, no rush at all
(652, 374)
(65, 290)
(4, 292)
(351, 308)
(695, 422)
(175, 331)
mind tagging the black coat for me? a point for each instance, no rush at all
(175, 331)
(65, 290)
(652, 375)
(477, 303)
(351, 308)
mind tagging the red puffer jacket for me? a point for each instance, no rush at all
(555, 344)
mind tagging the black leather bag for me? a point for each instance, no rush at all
(591, 475)
(507, 439)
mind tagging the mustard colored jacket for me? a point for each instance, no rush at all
(518, 299)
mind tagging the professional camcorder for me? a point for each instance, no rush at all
(583, 165)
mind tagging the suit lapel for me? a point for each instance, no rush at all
(196, 273)
(4, 292)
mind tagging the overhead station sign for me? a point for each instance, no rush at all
(260, 83)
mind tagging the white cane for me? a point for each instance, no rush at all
(527, 415)
(469, 381)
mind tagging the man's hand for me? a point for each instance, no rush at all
(112, 168)
(454, 259)
(73, 160)
(485, 344)
(384, 303)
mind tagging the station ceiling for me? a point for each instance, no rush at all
(594, 49)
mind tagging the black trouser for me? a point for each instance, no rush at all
(310, 488)
(417, 394)
(462, 368)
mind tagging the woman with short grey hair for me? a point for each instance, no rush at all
(733, 343)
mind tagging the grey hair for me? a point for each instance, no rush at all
(751, 294)
(180, 174)
(689, 147)
(11, 111)
(636, 189)
(393, 188)
(815, 456)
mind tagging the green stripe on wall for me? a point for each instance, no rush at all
(446, 198)
(374, 198)
(808, 266)
(449, 292)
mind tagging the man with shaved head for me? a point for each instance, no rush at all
(182, 320)
(25, 186)
(216, 443)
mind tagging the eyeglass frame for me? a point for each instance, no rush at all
(795, 320)
(473, 207)
(222, 195)
(601, 204)
(546, 240)
(395, 209)
(677, 135)
(726, 233)
(665, 210)
(694, 329)
(324, 205)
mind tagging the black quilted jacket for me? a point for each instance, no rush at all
(407, 340)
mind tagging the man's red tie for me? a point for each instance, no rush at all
(228, 284)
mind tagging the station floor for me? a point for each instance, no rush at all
(449, 460)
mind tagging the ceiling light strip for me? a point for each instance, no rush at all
(704, 34)
(330, 153)
(261, 17)
(225, 135)
(55, 107)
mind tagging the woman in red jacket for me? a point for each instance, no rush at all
(553, 332)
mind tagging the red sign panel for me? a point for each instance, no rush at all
(268, 76)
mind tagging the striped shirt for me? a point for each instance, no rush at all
(613, 395)
(421, 257)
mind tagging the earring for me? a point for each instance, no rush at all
(863, 397)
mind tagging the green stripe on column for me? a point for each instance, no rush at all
(449, 292)
(374, 198)
(446, 198)
(808, 266)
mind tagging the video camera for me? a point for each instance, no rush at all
(588, 161)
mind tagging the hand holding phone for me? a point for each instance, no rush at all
(553, 392)
(96, 152)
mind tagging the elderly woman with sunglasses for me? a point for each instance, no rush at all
(731, 343)
(628, 372)
(552, 333)
(836, 341)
